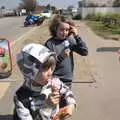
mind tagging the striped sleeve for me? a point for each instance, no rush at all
(69, 95)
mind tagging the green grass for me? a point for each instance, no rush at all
(102, 30)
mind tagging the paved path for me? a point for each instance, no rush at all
(95, 101)
(101, 100)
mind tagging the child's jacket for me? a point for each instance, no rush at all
(64, 50)
(32, 102)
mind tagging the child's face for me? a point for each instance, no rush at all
(43, 76)
(62, 31)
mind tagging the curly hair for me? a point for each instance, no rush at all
(56, 21)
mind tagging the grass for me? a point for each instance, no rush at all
(102, 30)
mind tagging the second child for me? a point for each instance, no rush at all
(64, 42)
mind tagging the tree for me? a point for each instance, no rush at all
(70, 7)
(48, 7)
(81, 3)
(53, 8)
(116, 3)
(29, 5)
(2, 7)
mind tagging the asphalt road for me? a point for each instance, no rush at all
(100, 100)
(12, 27)
(95, 101)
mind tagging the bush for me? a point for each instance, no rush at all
(77, 17)
(95, 17)
(113, 20)
(100, 16)
(91, 17)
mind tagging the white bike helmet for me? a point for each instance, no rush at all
(31, 57)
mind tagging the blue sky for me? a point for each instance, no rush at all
(57, 3)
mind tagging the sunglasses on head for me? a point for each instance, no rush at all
(34, 60)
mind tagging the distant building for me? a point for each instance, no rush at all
(23, 12)
(96, 3)
(9, 12)
(98, 6)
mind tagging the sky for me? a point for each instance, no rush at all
(57, 3)
(9, 3)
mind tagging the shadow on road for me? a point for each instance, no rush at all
(107, 49)
(6, 117)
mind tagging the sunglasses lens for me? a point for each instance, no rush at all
(37, 65)
(31, 58)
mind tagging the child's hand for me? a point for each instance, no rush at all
(64, 112)
(73, 30)
(69, 109)
(55, 96)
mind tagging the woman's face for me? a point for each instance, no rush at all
(43, 76)
(62, 31)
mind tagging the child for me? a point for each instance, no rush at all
(64, 41)
(38, 97)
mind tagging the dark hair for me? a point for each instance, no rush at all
(49, 63)
(56, 21)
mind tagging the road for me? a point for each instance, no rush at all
(12, 27)
(95, 101)
(101, 100)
